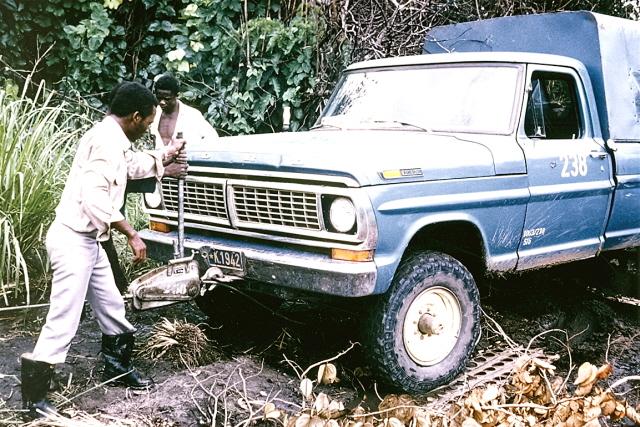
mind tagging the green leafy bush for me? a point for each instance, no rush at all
(240, 62)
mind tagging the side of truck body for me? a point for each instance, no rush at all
(422, 169)
(606, 46)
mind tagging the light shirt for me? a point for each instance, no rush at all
(95, 187)
(194, 127)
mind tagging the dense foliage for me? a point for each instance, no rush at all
(240, 62)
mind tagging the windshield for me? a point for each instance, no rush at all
(454, 98)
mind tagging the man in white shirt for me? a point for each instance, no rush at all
(88, 210)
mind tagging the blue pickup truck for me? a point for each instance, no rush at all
(511, 144)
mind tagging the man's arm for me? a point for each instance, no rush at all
(151, 163)
(179, 167)
(135, 242)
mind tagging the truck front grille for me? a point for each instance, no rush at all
(270, 207)
(277, 207)
(200, 198)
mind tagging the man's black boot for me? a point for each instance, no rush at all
(117, 351)
(35, 381)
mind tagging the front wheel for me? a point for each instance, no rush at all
(423, 330)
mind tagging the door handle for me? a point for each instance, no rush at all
(598, 154)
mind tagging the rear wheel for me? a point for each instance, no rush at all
(423, 330)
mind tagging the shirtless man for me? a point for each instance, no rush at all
(173, 116)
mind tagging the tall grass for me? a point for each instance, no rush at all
(37, 138)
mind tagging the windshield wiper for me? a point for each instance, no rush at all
(322, 125)
(403, 124)
(335, 122)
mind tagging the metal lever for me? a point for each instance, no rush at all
(181, 217)
(180, 248)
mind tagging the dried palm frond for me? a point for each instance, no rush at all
(180, 342)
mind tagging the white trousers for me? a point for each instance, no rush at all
(80, 270)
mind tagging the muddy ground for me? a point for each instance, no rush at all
(259, 353)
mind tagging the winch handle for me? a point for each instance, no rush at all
(179, 250)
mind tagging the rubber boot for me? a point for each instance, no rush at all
(35, 382)
(117, 351)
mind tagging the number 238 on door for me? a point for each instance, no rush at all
(573, 165)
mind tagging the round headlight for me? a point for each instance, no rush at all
(342, 214)
(153, 200)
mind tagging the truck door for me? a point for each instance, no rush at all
(569, 171)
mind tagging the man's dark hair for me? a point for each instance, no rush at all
(113, 92)
(129, 97)
(167, 82)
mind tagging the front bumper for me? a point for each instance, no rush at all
(278, 266)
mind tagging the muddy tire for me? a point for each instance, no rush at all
(422, 332)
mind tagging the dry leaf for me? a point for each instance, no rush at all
(575, 420)
(335, 409)
(608, 407)
(398, 406)
(543, 364)
(470, 422)
(270, 411)
(632, 414)
(393, 422)
(327, 373)
(490, 393)
(583, 390)
(242, 403)
(422, 422)
(321, 403)
(316, 422)
(619, 412)
(301, 421)
(604, 371)
(306, 388)
(586, 374)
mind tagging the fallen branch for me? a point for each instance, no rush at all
(331, 359)
(623, 381)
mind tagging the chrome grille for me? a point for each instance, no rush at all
(279, 207)
(200, 198)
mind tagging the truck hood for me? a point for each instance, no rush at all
(360, 155)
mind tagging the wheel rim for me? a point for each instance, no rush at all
(432, 326)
